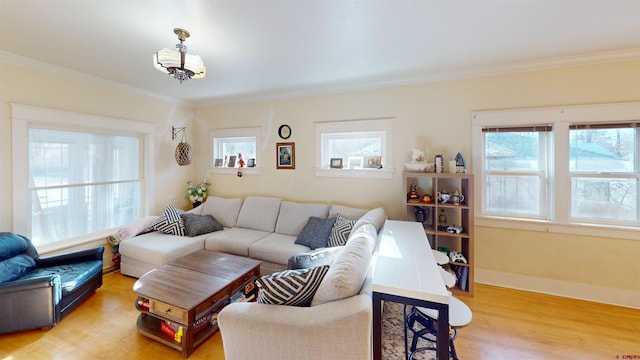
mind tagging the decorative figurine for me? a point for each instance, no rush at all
(420, 215)
(412, 195)
(427, 199)
(442, 220)
(240, 160)
(461, 167)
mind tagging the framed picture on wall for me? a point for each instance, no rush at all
(285, 155)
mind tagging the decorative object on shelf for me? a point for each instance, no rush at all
(232, 161)
(456, 256)
(218, 163)
(461, 167)
(284, 131)
(457, 198)
(418, 161)
(336, 163)
(240, 160)
(443, 197)
(197, 193)
(178, 64)
(454, 229)
(285, 155)
(438, 161)
(442, 221)
(452, 166)
(373, 162)
(427, 199)
(251, 163)
(184, 152)
(412, 195)
(420, 214)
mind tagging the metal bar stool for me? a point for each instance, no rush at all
(459, 316)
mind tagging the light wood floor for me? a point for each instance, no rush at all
(507, 325)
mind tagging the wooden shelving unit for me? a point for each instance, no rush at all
(457, 214)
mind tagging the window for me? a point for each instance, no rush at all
(604, 172)
(363, 148)
(78, 181)
(575, 166)
(516, 171)
(228, 145)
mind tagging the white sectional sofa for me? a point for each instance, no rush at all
(336, 324)
(263, 228)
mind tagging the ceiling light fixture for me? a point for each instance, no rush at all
(179, 64)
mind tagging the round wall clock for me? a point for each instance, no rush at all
(284, 131)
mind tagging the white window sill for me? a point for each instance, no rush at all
(234, 171)
(356, 173)
(618, 232)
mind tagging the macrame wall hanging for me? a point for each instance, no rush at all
(184, 153)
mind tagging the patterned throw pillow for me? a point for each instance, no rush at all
(290, 287)
(340, 231)
(170, 222)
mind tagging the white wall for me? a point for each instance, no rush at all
(434, 116)
(437, 116)
(31, 87)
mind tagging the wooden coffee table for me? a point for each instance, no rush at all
(184, 295)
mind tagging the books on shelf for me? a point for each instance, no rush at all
(172, 330)
(142, 304)
(463, 279)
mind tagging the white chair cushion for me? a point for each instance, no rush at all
(459, 313)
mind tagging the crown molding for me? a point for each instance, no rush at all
(46, 68)
(450, 75)
(351, 85)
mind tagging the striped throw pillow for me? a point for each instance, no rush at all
(290, 287)
(340, 231)
(170, 222)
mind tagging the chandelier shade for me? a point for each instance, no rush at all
(177, 63)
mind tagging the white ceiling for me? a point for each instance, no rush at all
(261, 49)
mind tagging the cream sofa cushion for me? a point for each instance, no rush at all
(294, 216)
(347, 273)
(259, 213)
(225, 211)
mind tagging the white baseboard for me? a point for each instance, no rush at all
(601, 294)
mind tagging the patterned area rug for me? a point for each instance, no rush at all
(393, 335)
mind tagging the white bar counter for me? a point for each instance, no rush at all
(405, 271)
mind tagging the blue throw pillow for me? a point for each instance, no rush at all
(11, 245)
(15, 267)
(316, 232)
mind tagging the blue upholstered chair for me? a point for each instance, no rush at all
(38, 292)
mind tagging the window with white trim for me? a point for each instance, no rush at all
(516, 171)
(355, 148)
(229, 146)
(79, 181)
(603, 162)
(565, 165)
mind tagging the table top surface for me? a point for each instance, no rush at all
(190, 280)
(404, 265)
